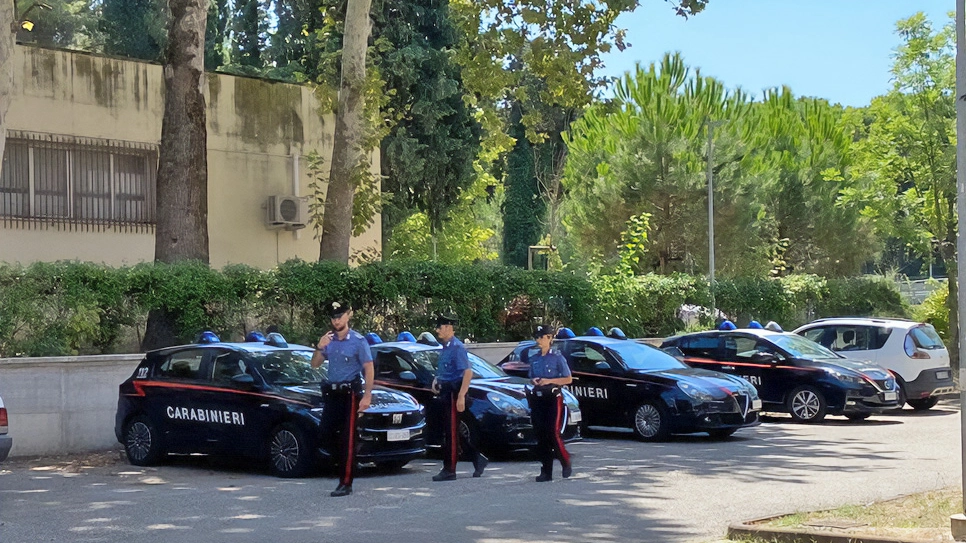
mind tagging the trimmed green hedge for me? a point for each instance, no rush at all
(63, 308)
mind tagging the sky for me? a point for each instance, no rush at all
(840, 50)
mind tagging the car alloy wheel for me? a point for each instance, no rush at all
(805, 404)
(650, 423)
(142, 442)
(288, 452)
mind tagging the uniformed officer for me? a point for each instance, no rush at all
(453, 375)
(348, 390)
(548, 373)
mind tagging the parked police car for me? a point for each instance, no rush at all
(259, 399)
(625, 383)
(792, 374)
(498, 416)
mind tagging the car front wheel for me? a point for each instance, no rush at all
(806, 404)
(142, 442)
(288, 452)
(650, 423)
(923, 404)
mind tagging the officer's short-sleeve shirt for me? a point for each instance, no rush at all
(548, 366)
(347, 356)
(453, 361)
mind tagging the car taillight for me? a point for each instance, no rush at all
(3, 420)
(920, 355)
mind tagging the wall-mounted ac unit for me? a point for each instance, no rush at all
(289, 212)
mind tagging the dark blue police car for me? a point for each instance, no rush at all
(624, 383)
(255, 399)
(498, 416)
(792, 374)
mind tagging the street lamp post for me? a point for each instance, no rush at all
(711, 125)
(958, 521)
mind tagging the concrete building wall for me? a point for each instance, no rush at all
(259, 135)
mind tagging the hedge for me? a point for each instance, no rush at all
(64, 308)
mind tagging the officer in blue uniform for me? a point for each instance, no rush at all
(453, 375)
(348, 390)
(549, 372)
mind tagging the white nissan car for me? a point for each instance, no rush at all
(912, 351)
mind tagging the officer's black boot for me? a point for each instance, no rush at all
(545, 474)
(444, 475)
(567, 471)
(479, 464)
(341, 490)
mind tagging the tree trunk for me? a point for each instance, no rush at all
(182, 231)
(182, 186)
(8, 31)
(952, 304)
(347, 151)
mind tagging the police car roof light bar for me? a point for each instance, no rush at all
(373, 338)
(616, 333)
(254, 336)
(427, 338)
(594, 331)
(208, 337)
(276, 340)
(406, 336)
(565, 333)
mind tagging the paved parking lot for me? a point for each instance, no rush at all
(685, 490)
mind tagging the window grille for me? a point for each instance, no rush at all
(77, 183)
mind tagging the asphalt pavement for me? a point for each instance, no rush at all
(685, 490)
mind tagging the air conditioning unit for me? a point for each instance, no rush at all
(289, 212)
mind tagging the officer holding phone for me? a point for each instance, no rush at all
(348, 390)
(453, 375)
(549, 372)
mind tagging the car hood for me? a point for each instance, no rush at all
(384, 400)
(708, 379)
(865, 367)
(515, 387)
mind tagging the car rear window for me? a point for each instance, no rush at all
(926, 337)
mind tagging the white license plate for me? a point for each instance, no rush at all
(889, 396)
(756, 405)
(574, 417)
(397, 435)
(942, 374)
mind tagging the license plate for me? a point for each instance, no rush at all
(944, 374)
(397, 435)
(889, 396)
(574, 417)
(756, 405)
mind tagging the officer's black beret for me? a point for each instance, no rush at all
(336, 309)
(542, 330)
(447, 317)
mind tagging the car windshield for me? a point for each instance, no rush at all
(800, 347)
(644, 357)
(926, 337)
(481, 368)
(288, 367)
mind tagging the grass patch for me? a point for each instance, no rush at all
(923, 516)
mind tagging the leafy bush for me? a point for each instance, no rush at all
(67, 308)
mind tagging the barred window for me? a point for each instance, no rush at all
(63, 179)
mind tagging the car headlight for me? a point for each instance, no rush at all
(695, 392)
(507, 404)
(846, 378)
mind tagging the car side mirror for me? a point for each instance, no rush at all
(601, 365)
(243, 380)
(407, 376)
(764, 358)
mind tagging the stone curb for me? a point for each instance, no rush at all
(749, 529)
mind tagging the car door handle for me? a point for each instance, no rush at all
(727, 367)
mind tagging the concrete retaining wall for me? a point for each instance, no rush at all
(66, 404)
